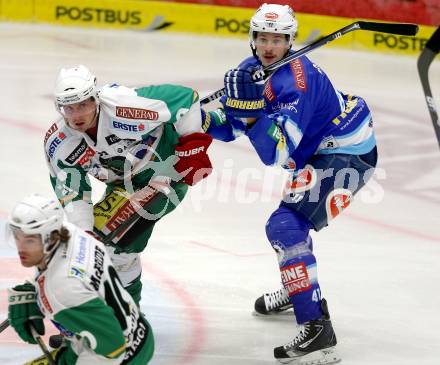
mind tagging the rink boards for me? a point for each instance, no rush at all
(149, 16)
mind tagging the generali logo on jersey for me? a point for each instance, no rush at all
(53, 128)
(136, 113)
(298, 73)
(295, 278)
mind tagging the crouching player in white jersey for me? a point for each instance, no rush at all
(144, 144)
(297, 120)
(77, 288)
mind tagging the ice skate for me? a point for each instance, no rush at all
(276, 302)
(315, 344)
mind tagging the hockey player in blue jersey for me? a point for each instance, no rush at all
(296, 119)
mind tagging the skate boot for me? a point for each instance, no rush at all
(314, 345)
(272, 303)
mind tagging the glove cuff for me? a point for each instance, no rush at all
(244, 108)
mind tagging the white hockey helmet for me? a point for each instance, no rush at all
(74, 85)
(273, 18)
(36, 214)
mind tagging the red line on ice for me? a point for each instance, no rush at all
(197, 330)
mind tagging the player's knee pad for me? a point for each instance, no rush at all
(288, 233)
(287, 226)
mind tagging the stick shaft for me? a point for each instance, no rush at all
(393, 28)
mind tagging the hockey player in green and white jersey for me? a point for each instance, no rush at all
(77, 288)
(145, 144)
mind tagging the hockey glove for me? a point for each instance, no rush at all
(244, 93)
(193, 163)
(23, 311)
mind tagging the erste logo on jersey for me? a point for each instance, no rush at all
(55, 143)
(139, 127)
(298, 73)
(136, 113)
(295, 278)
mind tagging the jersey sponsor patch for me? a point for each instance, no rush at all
(112, 139)
(53, 128)
(42, 294)
(77, 152)
(137, 127)
(140, 199)
(295, 278)
(136, 113)
(268, 92)
(79, 260)
(337, 200)
(56, 142)
(88, 154)
(298, 73)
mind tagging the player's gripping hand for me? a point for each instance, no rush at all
(244, 92)
(194, 163)
(23, 312)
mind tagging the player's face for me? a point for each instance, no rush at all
(30, 248)
(80, 116)
(271, 47)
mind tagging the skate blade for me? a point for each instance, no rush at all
(284, 313)
(322, 357)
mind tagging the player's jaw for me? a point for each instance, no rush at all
(30, 249)
(269, 55)
(268, 58)
(83, 122)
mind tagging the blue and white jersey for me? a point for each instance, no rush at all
(304, 115)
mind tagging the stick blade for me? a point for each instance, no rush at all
(392, 28)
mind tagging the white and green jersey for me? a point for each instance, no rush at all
(136, 128)
(81, 293)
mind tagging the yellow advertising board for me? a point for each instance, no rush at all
(225, 21)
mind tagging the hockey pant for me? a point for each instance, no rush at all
(318, 193)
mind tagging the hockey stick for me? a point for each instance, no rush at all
(428, 54)
(42, 345)
(392, 28)
(4, 325)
